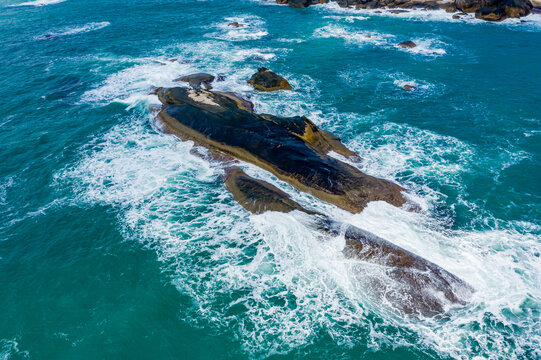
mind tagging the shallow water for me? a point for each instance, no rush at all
(117, 240)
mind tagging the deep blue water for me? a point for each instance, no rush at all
(118, 241)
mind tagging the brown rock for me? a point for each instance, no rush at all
(411, 284)
(407, 44)
(293, 149)
(266, 80)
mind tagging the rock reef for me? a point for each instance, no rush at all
(419, 287)
(490, 10)
(293, 149)
(296, 151)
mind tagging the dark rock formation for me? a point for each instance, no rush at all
(423, 287)
(409, 87)
(258, 196)
(242, 103)
(266, 80)
(296, 3)
(196, 80)
(470, 6)
(293, 149)
(407, 44)
(492, 10)
(492, 13)
(234, 24)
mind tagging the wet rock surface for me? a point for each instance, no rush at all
(266, 80)
(407, 44)
(293, 149)
(491, 10)
(258, 196)
(423, 288)
(196, 80)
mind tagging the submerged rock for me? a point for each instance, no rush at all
(266, 80)
(423, 288)
(293, 149)
(407, 44)
(196, 80)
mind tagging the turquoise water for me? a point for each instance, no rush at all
(118, 241)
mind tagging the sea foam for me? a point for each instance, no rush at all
(39, 3)
(74, 30)
(273, 280)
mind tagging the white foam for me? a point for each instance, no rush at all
(4, 186)
(532, 21)
(251, 28)
(426, 47)
(132, 85)
(356, 37)
(348, 18)
(9, 348)
(39, 3)
(286, 281)
(274, 280)
(74, 30)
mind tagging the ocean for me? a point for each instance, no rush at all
(118, 241)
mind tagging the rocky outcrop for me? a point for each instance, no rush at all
(492, 13)
(492, 10)
(258, 196)
(196, 80)
(296, 3)
(410, 283)
(266, 80)
(407, 44)
(293, 149)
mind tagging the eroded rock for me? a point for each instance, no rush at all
(491, 10)
(266, 80)
(490, 14)
(293, 149)
(198, 79)
(410, 283)
(258, 196)
(407, 44)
